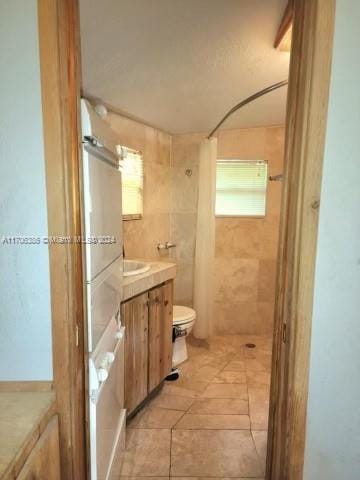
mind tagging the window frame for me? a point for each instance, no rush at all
(237, 160)
(133, 216)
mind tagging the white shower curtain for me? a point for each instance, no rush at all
(205, 240)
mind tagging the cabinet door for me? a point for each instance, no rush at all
(134, 316)
(43, 462)
(168, 297)
(160, 333)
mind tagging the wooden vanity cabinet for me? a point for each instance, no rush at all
(160, 334)
(148, 342)
(134, 315)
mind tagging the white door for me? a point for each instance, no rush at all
(102, 209)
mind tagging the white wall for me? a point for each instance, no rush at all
(333, 421)
(25, 321)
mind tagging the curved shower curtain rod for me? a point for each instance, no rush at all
(246, 101)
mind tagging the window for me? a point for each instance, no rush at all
(240, 188)
(132, 183)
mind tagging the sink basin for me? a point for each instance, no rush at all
(133, 267)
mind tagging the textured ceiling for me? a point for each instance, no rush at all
(181, 64)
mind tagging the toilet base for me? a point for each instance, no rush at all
(180, 353)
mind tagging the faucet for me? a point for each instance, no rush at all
(166, 245)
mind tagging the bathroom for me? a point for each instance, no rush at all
(243, 268)
(179, 243)
(149, 326)
(223, 288)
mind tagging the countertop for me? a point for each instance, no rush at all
(23, 416)
(159, 272)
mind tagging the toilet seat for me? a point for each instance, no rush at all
(183, 315)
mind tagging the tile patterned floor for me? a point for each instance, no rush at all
(211, 422)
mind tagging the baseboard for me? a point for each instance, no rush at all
(26, 386)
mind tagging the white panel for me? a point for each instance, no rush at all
(107, 413)
(102, 196)
(104, 296)
(110, 416)
(25, 317)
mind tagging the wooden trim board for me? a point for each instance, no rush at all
(26, 386)
(305, 135)
(285, 24)
(60, 90)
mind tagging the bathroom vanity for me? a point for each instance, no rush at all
(147, 314)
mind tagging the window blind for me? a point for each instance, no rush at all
(132, 183)
(241, 188)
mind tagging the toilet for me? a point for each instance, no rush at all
(183, 322)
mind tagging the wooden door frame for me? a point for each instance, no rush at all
(308, 94)
(58, 26)
(305, 133)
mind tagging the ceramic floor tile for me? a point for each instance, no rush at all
(147, 453)
(250, 354)
(261, 363)
(226, 390)
(262, 342)
(229, 377)
(222, 391)
(259, 393)
(119, 477)
(203, 374)
(220, 362)
(173, 402)
(224, 353)
(213, 422)
(197, 361)
(259, 415)
(155, 417)
(184, 389)
(220, 406)
(213, 478)
(258, 354)
(258, 378)
(260, 440)
(233, 454)
(235, 366)
(239, 355)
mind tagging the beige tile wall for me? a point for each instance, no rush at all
(246, 249)
(142, 236)
(184, 191)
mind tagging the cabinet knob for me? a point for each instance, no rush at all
(166, 303)
(119, 334)
(110, 357)
(102, 374)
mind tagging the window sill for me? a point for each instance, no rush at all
(241, 216)
(135, 216)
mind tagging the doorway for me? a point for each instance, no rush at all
(308, 99)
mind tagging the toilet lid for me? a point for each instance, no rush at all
(183, 314)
